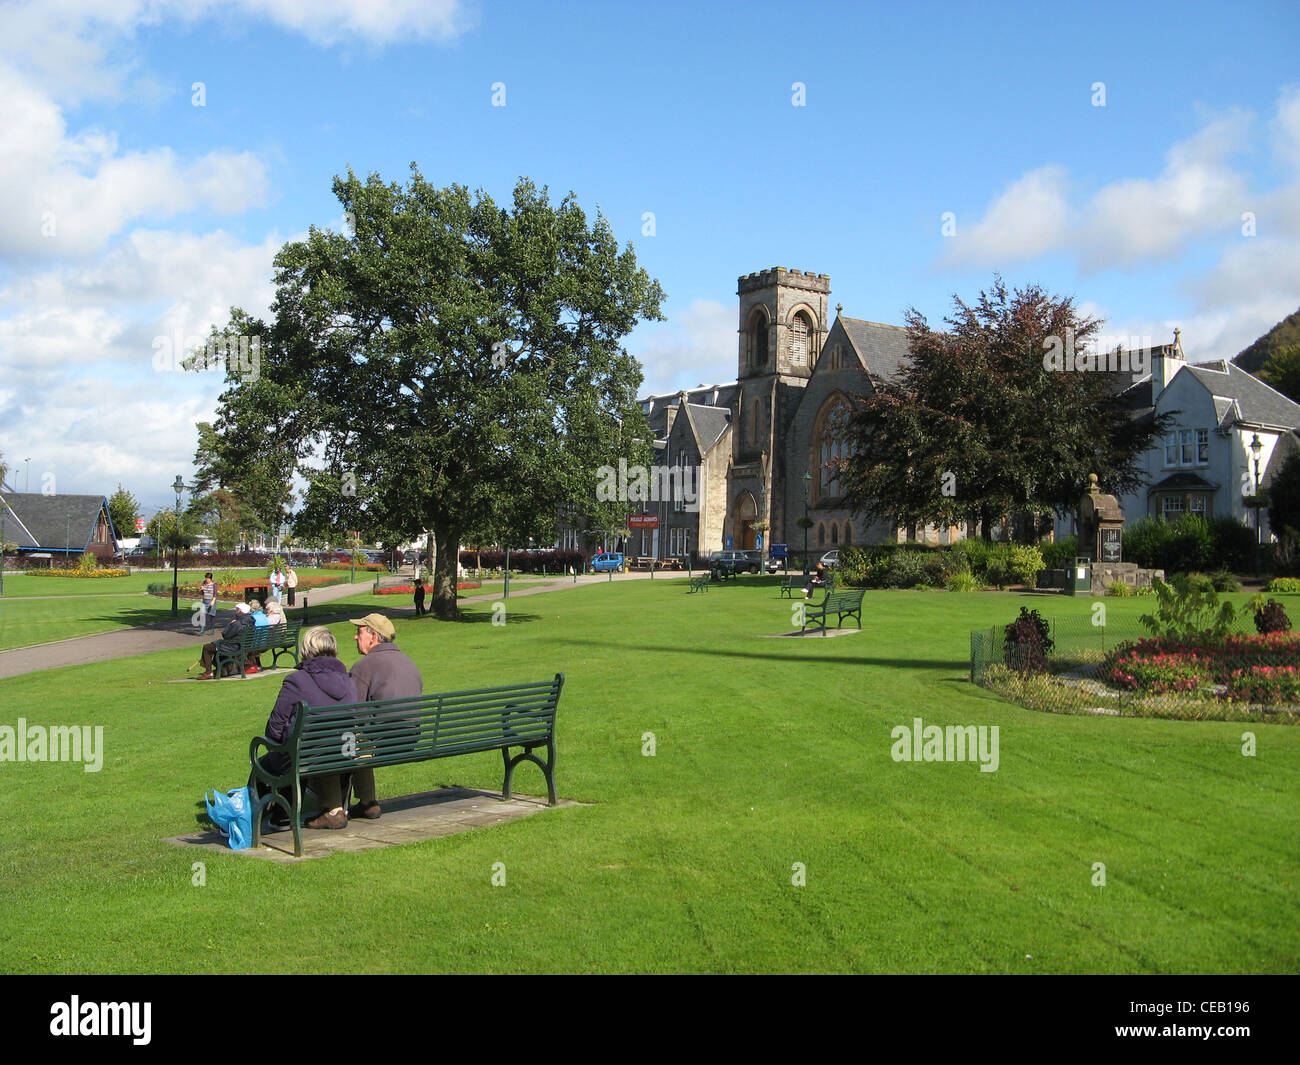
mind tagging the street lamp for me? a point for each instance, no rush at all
(27, 485)
(1256, 446)
(807, 480)
(177, 486)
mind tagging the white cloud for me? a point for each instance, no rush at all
(1029, 218)
(1285, 128)
(696, 345)
(1197, 194)
(66, 196)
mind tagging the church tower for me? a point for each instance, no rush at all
(783, 325)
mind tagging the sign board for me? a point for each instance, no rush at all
(643, 521)
(139, 524)
(727, 544)
(779, 551)
(758, 541)
(1110, 545)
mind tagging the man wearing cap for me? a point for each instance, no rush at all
(384, 672)
(229, 642)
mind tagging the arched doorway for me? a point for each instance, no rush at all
(743, 516)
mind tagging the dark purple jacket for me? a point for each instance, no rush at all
(321, 681)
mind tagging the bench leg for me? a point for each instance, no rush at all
(547, 768)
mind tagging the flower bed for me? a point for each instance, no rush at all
(377, 567)
(1239, 668)
(236, 591)
(92, 573)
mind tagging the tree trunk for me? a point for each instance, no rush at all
(443, 604)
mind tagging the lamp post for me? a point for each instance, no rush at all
(2, 552)
(807, 480)
(1257, 446)
(27, 484)
(177, 486)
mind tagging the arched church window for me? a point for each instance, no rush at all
(848, 533)
(832, 445)
(835, 535)
(758, 339)
(821, 535)
(800, 334)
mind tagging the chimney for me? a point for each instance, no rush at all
(1166, 361)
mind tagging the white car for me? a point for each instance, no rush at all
(831, 560)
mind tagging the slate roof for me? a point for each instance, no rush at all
(1287, 445)
(883, 348)
(35, 520)
(710, 423)
(1184, 482)
(656, 407)
(1257, 404)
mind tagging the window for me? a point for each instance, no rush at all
(676, 541)
(1188, 447)
(835, 535)
(1197, 505)
(758, 339)
(831, 449)
(848, 532)
(1173, 508)
(799, 331)
(821, 535)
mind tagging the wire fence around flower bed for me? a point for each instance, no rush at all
(1121, 670)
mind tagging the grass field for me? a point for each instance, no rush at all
(769, 752)
(42, 609)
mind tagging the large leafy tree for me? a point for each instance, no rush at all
(1283, 498)
(449, 364)
(979, 426)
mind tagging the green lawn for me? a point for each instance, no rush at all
(41, 609)
(770, 752)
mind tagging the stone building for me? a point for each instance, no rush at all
(767, 442)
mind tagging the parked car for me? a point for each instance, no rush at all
(831, 560)
(607, 561)
(735, 561)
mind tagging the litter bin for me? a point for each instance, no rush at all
(258, 592)
(1079, 579)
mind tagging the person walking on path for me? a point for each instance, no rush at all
(277, 583)
(419, 599)
(290, 582)
(208, 618)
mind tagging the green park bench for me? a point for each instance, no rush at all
(277, 639)
(847, 603)
(346, 737)
(699, 584)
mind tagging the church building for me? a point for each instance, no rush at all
(766, 444)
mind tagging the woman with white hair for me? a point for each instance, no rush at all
(274, 613)
(319, 680)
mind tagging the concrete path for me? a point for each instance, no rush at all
(169, 635)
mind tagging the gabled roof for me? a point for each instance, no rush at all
(1256, 403)
(656, 407)
(710, 424)
(1183, 481)
(882, 348)
(53, 522)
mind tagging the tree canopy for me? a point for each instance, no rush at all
(124, 509)
(1282, 371)
(447, 364)
(979, 424)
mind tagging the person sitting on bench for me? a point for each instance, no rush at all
(319, 680)
(816, 579)
(229, 642)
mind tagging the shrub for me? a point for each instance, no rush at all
(1270, 617)
(905, 569)
(855, 566)
(1200, 582)
(961, 581)
(1144, 542)
(1028, 642)
(87, 562)
(996, 574)
(1061, 554)
(1284, 584)
(1188, 611)
(1225, 581)
(1233, 544)
(1023, 564)
(1119, 590)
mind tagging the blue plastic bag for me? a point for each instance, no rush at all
(233, 814)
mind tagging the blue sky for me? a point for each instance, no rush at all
(134, 214)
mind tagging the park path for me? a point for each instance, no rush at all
(168, 635)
